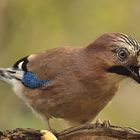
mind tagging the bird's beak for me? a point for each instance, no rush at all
(134, 72)
(10, 73)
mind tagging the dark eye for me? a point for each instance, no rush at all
(122, 54)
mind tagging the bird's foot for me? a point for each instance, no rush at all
(98, 123)
(105, 123)
(53, 131)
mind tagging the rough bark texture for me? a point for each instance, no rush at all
(98, 131)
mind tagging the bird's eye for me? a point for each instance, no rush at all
(122, 54)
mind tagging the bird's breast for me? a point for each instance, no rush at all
(72, 100)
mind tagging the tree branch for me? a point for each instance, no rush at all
(97, 131)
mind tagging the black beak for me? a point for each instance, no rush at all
(132, 71)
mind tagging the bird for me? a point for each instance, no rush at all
(75, 83)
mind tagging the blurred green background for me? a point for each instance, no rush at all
(28, 26)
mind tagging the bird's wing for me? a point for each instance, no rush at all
(51, 63)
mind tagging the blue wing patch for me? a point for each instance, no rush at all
(31, 80)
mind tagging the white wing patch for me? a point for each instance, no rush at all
(20, 65)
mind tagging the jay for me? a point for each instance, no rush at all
(75, 83)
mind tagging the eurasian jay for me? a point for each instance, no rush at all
(75, 83)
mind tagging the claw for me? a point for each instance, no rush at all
(98, 123)
(106, 123)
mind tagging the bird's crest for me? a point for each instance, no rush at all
(130, 41)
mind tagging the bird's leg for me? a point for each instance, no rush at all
(50, 128)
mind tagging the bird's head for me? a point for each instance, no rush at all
(120, 53)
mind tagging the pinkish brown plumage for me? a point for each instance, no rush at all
(81, 80)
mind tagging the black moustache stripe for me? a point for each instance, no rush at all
(119, 70)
